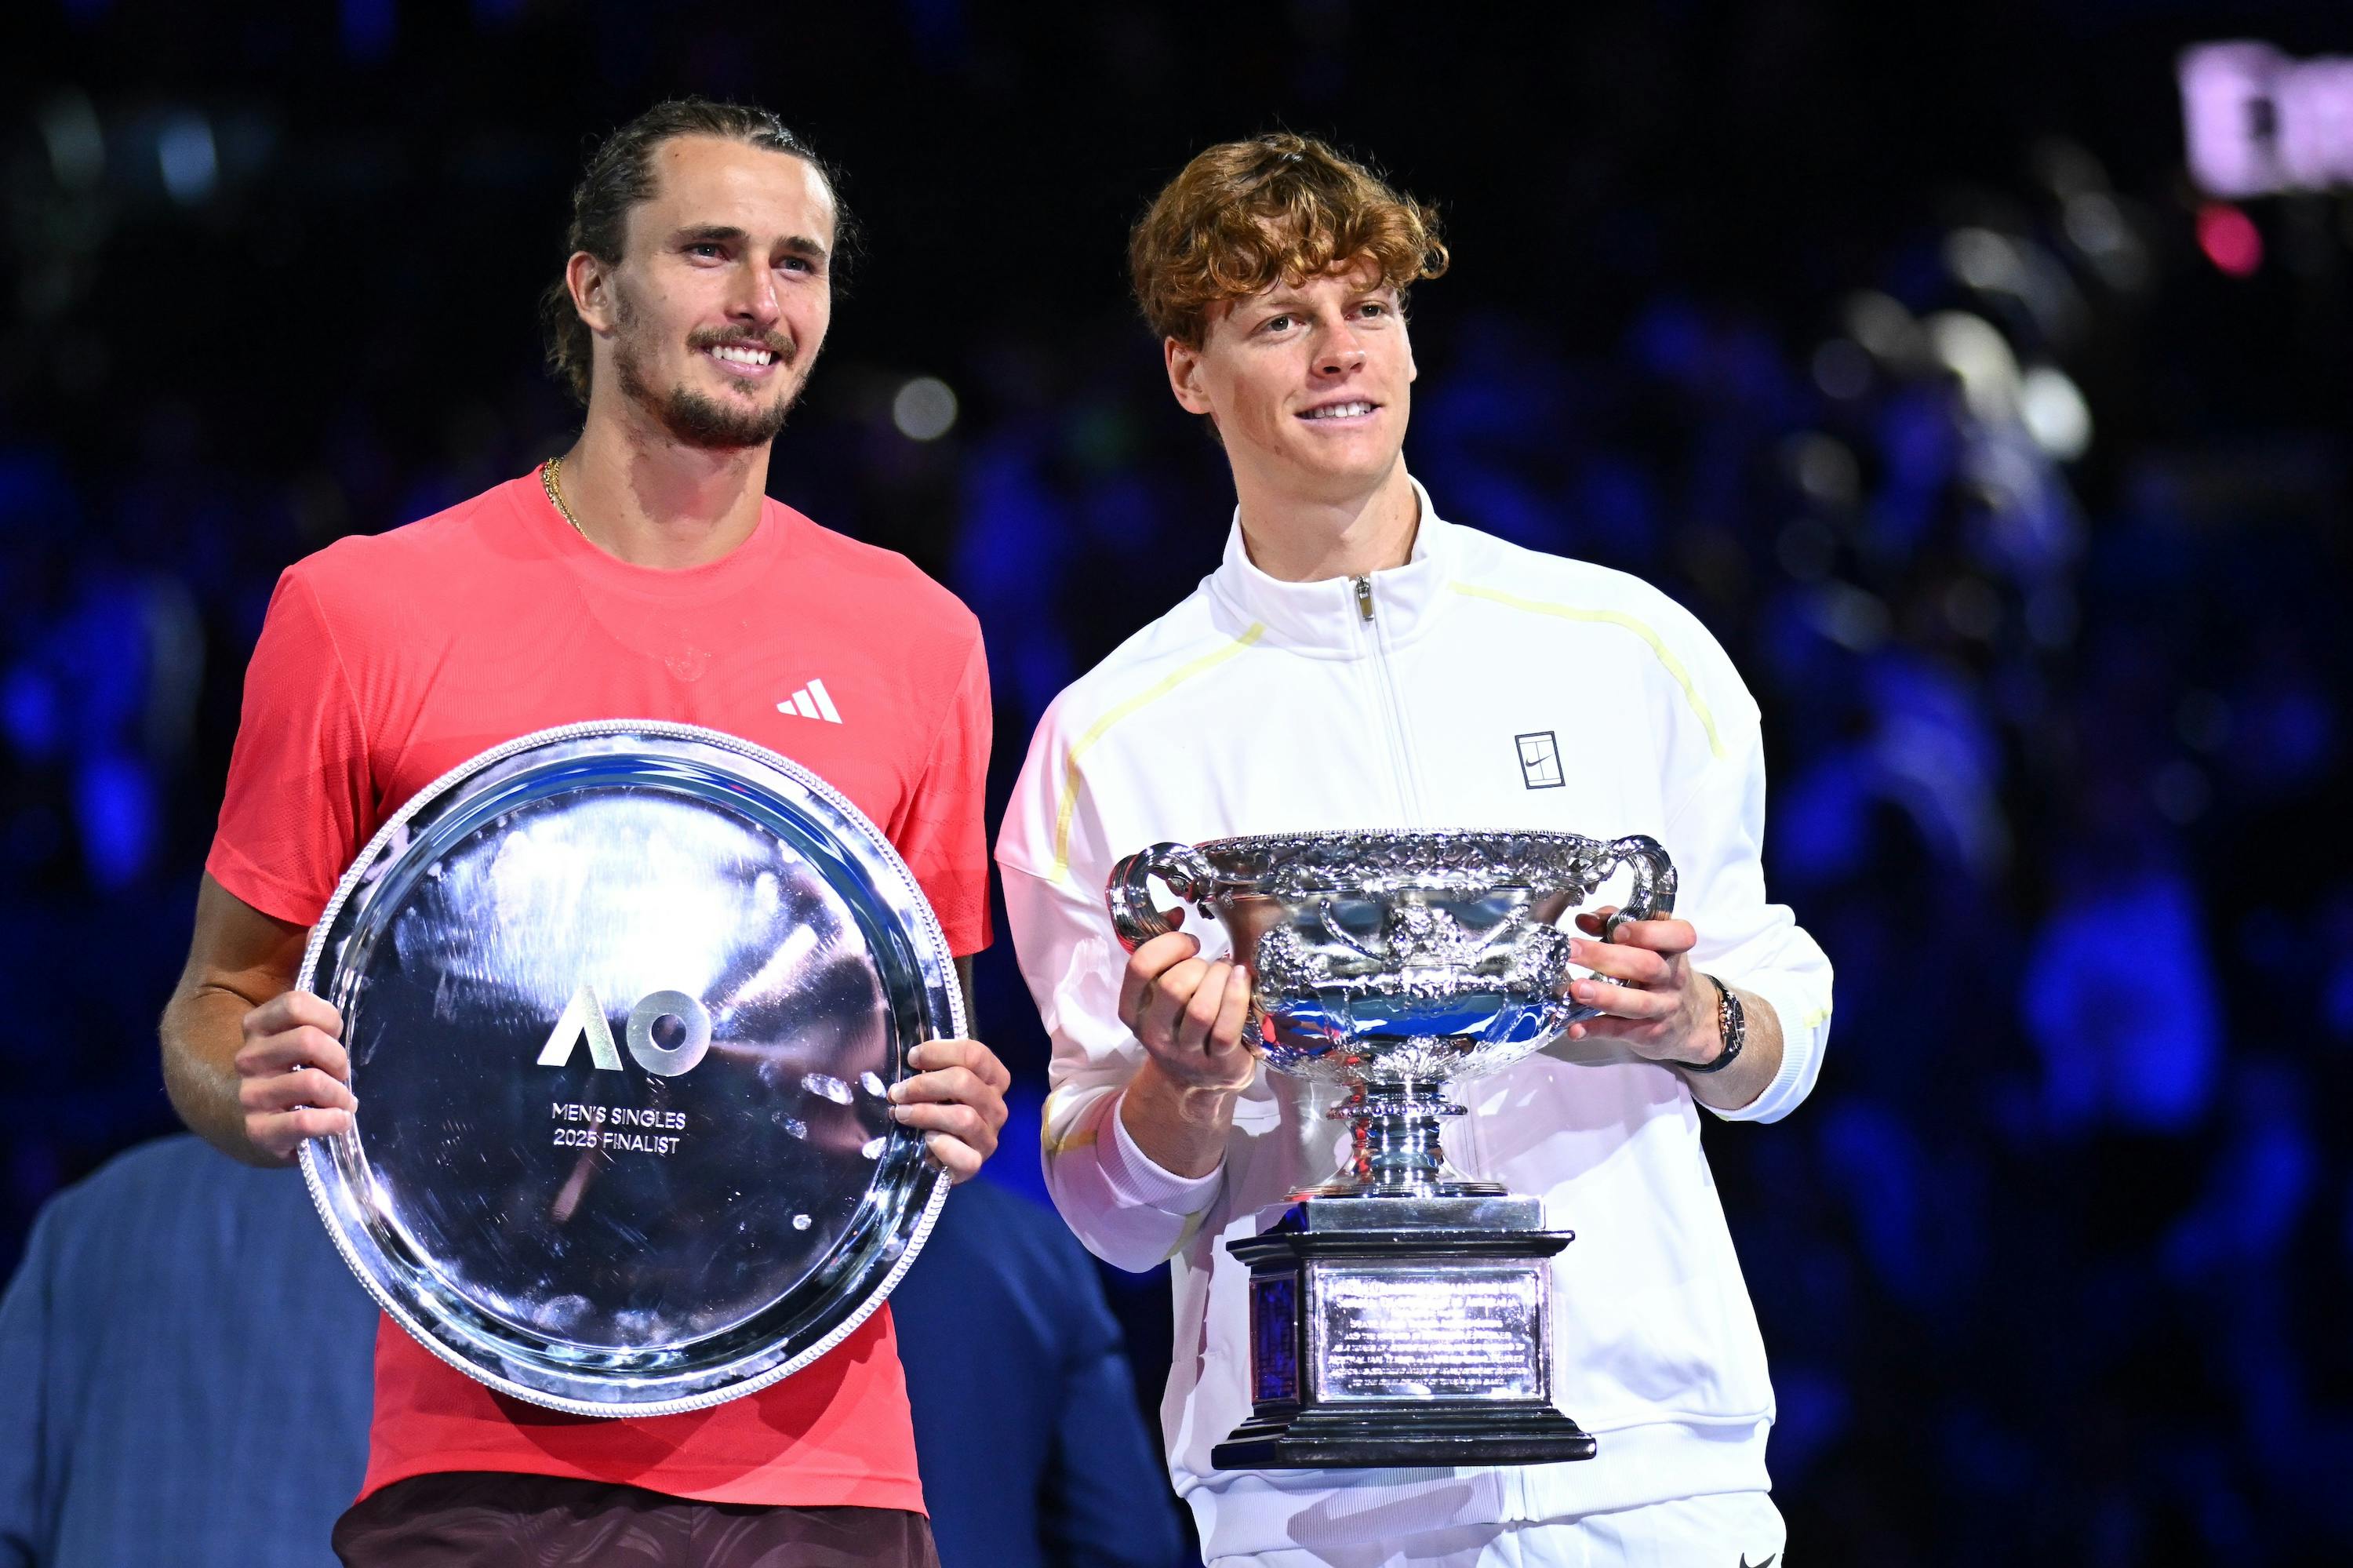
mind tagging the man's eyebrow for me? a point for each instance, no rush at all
(1278, 300)
(728, 234)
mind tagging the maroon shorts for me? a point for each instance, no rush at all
(486, 1517)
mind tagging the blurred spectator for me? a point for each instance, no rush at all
(2121, 1003)
(188, 1367)
(1032, 1452)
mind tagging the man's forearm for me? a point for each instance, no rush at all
(201, 1031)
(1182, 1130)
(1759, 1062)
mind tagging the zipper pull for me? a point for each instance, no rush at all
(1363, 597)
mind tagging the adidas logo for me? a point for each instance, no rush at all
(811, 701)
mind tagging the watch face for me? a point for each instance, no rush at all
(624, 1001)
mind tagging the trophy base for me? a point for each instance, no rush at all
(1442, 1188)
(1402, 1330)
(1409, 1433)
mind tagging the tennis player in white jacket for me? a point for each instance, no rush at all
(1358, 661)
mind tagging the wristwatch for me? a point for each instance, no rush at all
(1732, 1022)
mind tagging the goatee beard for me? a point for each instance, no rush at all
(691, 418)
(696, 420)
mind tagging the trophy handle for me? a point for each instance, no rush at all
(1185, 869)
(1654, 882)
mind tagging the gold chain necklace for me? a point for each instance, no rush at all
(548, 476)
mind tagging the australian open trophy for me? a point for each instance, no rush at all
(1398, 1311)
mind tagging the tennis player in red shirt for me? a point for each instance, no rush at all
(644, 574)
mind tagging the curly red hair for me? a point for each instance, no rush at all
(1243, 216)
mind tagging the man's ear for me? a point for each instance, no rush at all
(1184, 375)
(591, 283)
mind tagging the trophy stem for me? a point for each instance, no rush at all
(1395, 1150)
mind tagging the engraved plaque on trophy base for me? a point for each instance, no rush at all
(1402, 1331)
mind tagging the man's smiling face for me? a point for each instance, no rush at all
(721, 301)
(1310, 383)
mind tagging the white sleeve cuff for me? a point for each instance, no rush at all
(1801, 1051)
(1137, 1179)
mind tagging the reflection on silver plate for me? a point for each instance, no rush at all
(624, 1001)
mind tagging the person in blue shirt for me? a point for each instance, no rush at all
(186, 1371)
(1033, 1453)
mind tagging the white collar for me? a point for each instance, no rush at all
(1326, 617)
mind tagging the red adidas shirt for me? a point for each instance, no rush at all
(385, 661)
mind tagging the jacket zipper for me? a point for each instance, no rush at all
(1472, 1157)
(1386, 698)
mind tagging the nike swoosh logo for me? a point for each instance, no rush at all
(1768, 1563)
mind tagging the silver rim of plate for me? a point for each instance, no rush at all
(663, 1282)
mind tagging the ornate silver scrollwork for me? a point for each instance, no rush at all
(1403, 959)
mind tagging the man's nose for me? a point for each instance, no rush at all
(753, 298)
(1339, 351)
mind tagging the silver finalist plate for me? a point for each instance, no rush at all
(624, 1001)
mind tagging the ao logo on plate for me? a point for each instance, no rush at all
(584, 1019)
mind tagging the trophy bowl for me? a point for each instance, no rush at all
(1396, 962)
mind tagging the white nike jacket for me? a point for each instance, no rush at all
(1480, 685)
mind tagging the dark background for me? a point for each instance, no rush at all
(2054, 1266)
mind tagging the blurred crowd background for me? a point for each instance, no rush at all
(1901, 343)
